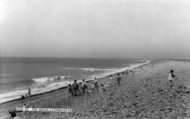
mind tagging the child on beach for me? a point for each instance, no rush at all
(171, 77)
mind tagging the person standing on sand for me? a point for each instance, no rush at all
(118, 79)
(75, 87)
(84, 86)
(110, 80)
(96, 84)
(171, 77)
(71, 92)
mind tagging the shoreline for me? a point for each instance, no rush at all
(65, 84)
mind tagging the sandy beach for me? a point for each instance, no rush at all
(144, 94)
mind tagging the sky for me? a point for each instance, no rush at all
(95, 28)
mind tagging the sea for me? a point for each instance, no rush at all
(17, 74)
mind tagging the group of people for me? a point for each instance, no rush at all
(84, 87)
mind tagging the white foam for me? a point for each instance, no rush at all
(53, 85)
(48, 79)
(120, 70)
(38, 89)
(96, 69)
(92, 69)
(42, 79)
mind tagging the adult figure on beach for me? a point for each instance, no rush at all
(75, 87)
(171, 77)
(84, 86)
(96, 84)
(118, 79)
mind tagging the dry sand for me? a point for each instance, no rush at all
(144, 94)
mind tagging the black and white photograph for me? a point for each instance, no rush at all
(94, 59)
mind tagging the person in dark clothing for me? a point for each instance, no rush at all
(172, 73)
(12, 114)
(75, 87)
(22, 97)
(118, 79)
(71, 92)
(171, 77)
(84, 86)
(96, 84)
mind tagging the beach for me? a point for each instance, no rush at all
(144, 93)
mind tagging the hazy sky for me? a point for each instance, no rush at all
(95, 28)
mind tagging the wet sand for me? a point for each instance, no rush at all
(144, 93)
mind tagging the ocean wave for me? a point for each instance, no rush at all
(93, 69)
(49, 79)
(37, 89)
(96, 69)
